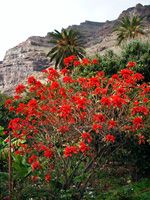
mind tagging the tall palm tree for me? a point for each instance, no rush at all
(66, 43)
(129, 28)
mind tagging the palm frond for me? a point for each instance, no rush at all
(129, 27)
(66, 43)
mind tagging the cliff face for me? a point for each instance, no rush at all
(99, 37)
(21, 61)
(30, 56)
(139, 9)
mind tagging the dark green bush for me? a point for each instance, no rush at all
(140, 53)
(110, 63)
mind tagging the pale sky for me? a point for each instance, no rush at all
(20, 19)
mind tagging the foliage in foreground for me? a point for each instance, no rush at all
(71, 127)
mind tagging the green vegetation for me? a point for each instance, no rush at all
(139, 52)
(129, 28)
(111, 63)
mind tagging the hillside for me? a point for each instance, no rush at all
(30, 56)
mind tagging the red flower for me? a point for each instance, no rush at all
(21, 108)
(111, 124)
(34, 178)
(20, 89)
(138, 76)
(69, 60)
(83, 147)
(5, 132)
(87, 137)
(44, 107)
(100, 74)
(35, 165)
(85, 61)
(80, 102)
(66, 61)
(110, 138)
(121, 90)
(105, 101)
(31, 80)
(97, 127)
(47, 178)
(14, 124)
(126, 73)
(52, 73)
(117, 101)
(64, 71)
(16, 97)
(11, 108)
(145, 100)
(62, 92)
(63, 129)
(70, 150)
(65, 110)
(48, 153)
(97, 91)
(32, 103)
(104, 91)
(99, 118)
(76, 63)
(54, 85)
(115, 76)
(95, 61)
(68, 79)
(83, 115)
(138, 122)
(8, 102)
(94, 81)
(32, 158)
(131, 64)
(140, 109)
(42, 147)
(141, 139)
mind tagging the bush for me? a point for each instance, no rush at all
(71, 126)
(111, 63)
(139, 52)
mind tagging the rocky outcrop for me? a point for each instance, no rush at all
(99, 37)
(139, 9)
(21, 61)
(90, 32)
(30, 56)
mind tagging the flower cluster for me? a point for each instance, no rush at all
(72, 60)
(67, 117)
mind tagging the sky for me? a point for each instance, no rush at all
(20, 19)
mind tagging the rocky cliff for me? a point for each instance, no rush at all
(23, 60)
(30, 56)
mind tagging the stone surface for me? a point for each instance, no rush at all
(21, 61)
(30, 56)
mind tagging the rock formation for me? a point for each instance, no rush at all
(23, 60)
(30, 56)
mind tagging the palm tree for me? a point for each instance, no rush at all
(66, 43)
(129, 28)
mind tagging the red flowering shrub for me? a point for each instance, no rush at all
(131, 64)
(71, 122)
